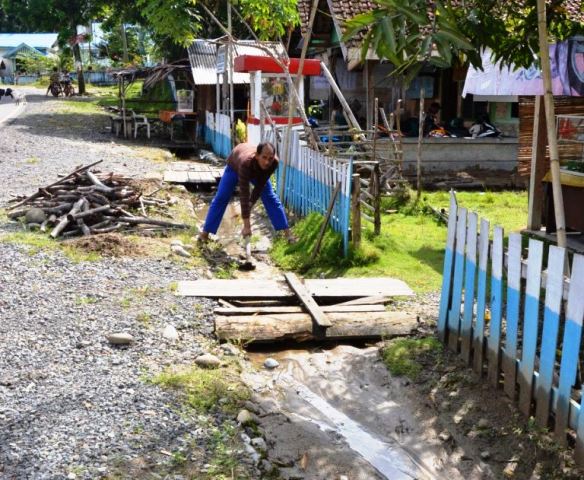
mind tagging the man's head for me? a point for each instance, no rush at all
(265, 155)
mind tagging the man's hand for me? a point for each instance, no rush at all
(246, 230)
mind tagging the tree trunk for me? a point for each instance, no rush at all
(79, 66)
(299, 326)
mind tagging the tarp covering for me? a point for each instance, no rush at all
(567, 66)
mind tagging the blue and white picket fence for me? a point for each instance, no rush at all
(491, 334)
(218, 133)
(310, 180)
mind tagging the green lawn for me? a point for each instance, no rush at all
(411, 243)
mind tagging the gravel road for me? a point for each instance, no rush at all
(72, 405)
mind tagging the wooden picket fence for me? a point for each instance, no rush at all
(311, 180)
(490, 312)
(217, 133)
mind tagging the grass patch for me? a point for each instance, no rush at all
(87, 300)
(203, 388)
(145, 319)
(37, 242)
(410, 246)
(223, 464)
(402, 355)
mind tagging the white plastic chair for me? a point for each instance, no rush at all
(140, 121)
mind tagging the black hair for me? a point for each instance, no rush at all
(265, 144)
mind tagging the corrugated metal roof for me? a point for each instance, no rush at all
(203, 58)
(37, 40)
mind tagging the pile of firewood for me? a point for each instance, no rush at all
(86, 203)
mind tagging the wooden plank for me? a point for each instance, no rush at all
(469, 286)
(551, 327)
(174, 176)
(570, 347)
(305, 297)
(233, 289)
(494, 343)
(454, 313)
(378, 299)
(358, 287)
(226, 304)
(323, 288)
(513, 299)
(296, 309)
(479, 330)
(531, 322)
(445, 295)
(194, 177)
(299, 326)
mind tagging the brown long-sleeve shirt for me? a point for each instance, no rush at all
(242, 160)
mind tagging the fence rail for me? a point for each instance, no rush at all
(490, 312)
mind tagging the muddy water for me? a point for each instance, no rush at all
(346, 394)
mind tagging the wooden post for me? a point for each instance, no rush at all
(399, 136)
(375, 122)
(356, 210)
(551, 125)
(538, 148)
(292, 101)
(377, 200)
(419, 150)
(325, 222)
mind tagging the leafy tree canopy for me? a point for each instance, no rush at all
(410, 33)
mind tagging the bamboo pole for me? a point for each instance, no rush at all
(292, 101)
(348, 112)
(550, 121)
(419, 150)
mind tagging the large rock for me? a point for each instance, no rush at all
(208, 361)
(170, 333)
(35, 215)
(245, 417)
(271, 363)
(120, 338)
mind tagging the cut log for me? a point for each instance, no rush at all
(64, 220)
(299, 326)
(39, 192)
(296, 309)
(97, 182)
(151, 221)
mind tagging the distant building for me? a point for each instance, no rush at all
(13, 44)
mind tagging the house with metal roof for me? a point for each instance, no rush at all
(207, 59)
(14, 44)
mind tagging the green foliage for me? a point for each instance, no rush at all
(402, 356)
(203, 388)
(178, 20)
(32, 63)
(443, 33)
(270, 19)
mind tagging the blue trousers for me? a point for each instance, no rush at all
(227, 185)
